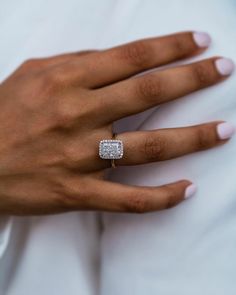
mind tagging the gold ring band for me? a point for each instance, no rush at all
(113, 164)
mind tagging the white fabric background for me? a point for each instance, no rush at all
(189, 249)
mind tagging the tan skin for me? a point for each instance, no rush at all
(55, 111)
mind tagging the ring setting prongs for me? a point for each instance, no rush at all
(111, 149)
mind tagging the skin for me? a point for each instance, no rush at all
(55, 111)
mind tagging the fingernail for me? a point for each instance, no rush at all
(190, 191)
(225, 130)
(225, 66)
(202, 39)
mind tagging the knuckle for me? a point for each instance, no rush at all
(55, 80)
(71, 157)
(84, 52)
(201, 75)
(52, 79)
(149, 88)
(170, 200)
(76, 156)
(154, 148)
(71, 111)
(137, 203)
(61, 199)
(181, 46)
(30, 63)
(202, 139)
(64, 115)
(137, 54)
(69, 196)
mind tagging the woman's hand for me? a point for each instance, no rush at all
(55, 111)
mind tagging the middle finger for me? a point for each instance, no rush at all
(138, 94)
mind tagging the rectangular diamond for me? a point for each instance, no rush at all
(111, 149)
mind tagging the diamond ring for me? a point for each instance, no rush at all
(111, 149)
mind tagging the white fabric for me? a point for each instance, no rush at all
(189, 249)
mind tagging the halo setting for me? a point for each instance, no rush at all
(111, 149)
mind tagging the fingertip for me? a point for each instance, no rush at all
(190, 191)
(224, 66)
(202, 39)
(225, 130)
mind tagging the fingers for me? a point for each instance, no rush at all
(107, 196)
(134, 95)
(158, 145)
(124, 61)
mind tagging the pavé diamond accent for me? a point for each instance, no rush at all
(111, 149)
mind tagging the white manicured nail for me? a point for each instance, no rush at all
(225, 66)
(202, 39)
(225, 130)
(190, 191)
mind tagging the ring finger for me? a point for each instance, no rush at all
(142, 147)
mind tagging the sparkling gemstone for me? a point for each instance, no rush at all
(111, 149)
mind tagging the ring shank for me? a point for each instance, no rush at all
(113, 164)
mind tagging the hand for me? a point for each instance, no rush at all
(55, 111)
